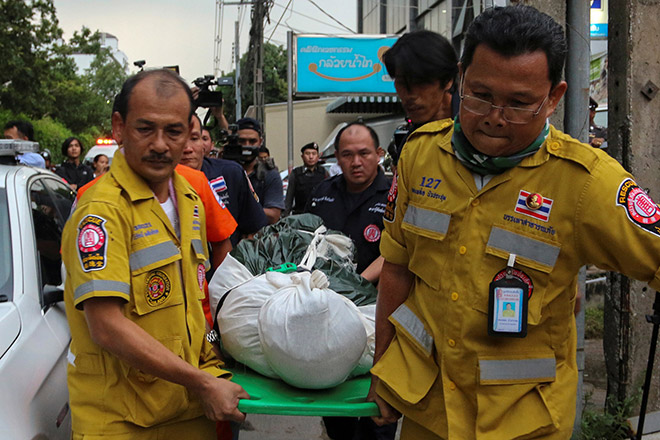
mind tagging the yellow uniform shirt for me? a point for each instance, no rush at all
(442, 370)
(119, 243)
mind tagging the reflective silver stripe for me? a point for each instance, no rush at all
(197, 245)
(427, 219)
(413, 325)
(513, 369)
(525, 247)
(101, 285)
(152, 254)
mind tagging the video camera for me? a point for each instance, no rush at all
(237, 152)
(207, 98)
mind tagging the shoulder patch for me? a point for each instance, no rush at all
(390, 207)
(640, 208)
(92, 243)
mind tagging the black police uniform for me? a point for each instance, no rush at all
(360, 215)
(301, 184)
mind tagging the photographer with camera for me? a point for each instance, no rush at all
(263, 175)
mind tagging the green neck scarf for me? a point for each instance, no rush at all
(484, 164)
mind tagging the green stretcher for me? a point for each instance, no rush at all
(273, 396)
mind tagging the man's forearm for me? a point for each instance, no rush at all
(220, 250)
(272, 214)
(372, 272)
(393, 289)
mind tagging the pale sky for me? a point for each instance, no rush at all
(170, 32)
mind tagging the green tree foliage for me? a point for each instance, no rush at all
(30, 55)
(38, 78)
(275, 85)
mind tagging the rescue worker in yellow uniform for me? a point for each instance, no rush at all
(499, 207)
(135, 254)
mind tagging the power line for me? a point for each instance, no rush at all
(331, 17)
(309, 17)
(278, 21)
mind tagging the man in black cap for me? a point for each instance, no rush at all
(303, 179)
(264, 178)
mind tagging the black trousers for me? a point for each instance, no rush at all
(353, 428)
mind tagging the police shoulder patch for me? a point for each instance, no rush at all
(640, 208)
(92, 243)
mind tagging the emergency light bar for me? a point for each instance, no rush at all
(12, 147)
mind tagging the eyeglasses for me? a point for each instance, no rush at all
(513, 115)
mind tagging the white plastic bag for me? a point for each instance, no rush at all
(311, 336)
(244, 295)
(368, 315)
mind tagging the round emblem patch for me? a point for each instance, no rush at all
(91, 238)
(372, 233)
(534, 201)
(158, 288)
(641, 207)
(201, 276)
(518, 274)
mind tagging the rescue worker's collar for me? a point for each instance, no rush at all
(135, 186)
(484, 164)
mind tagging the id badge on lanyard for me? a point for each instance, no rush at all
(507, 305)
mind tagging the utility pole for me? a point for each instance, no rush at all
(259, 13)
(237, 83)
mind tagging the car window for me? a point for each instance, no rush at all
(63, 198)
(6, 279)
(48, 226)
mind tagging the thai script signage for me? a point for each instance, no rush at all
(342, 65)
(598, 17)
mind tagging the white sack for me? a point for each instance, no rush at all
(237, 319)
(311, 336)
(368, 317)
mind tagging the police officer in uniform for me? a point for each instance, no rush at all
(303, 179)
(499, 207)
(134, 250)
(353, 202)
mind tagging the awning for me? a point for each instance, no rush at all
(365, 104)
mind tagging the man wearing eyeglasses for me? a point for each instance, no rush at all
(498, 207)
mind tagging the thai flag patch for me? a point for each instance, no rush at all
(218, 184)
(542, 212)
(196, 212)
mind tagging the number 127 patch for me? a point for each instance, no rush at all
(430, 182)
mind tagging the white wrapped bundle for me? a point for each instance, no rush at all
(311, 336)
(237, 318)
